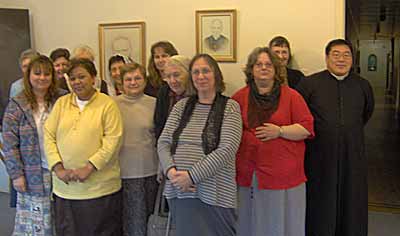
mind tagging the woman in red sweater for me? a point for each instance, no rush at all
(269, 165)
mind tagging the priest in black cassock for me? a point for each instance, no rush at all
(336, 167)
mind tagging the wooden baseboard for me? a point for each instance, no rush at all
(381, 207)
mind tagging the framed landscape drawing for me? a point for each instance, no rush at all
(126, 39)
(216, 34)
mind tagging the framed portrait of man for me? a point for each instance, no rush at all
(216, 34)
(125, 39)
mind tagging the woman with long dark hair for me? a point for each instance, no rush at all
(160, 52)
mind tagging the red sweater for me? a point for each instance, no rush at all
(278, 163)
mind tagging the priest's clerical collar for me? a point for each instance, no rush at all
(340, 77)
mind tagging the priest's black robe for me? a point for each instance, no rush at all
(294, 77)
(335, 163)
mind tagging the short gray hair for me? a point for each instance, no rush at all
(28, 54)
(84, 49)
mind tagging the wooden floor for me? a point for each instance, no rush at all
(383, 154)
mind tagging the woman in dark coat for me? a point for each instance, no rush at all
(176, 77)
(281, 47)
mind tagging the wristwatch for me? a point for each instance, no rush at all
(280, 131)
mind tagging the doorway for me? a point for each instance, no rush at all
(15, 37)
(373, 28)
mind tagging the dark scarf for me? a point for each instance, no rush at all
(173, 99)
(261, 107)
(212, 130)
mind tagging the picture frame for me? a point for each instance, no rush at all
(126, 38)
(216, 34)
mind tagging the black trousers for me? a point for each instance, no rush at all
(93, 217)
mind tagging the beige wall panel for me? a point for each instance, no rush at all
(308, 24)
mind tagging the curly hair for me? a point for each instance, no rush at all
(280, 71)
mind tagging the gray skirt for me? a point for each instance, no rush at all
(271, 212)
(138, 199)
(196, 218)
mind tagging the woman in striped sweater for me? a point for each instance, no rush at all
(197, 151)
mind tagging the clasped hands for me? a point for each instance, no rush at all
(267, 132)
(66, 175)
(71, 175)
(181, 180)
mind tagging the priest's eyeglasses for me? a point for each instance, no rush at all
(337, 55)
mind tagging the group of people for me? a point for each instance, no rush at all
(284, 156)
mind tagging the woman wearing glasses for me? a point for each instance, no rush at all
(138, 157)
(269, 164)
(197, 151)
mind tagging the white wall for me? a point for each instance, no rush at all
(308, 24)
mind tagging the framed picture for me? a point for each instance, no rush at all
(127, 39)
(216, 34)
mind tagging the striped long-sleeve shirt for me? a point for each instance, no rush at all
(213, 174)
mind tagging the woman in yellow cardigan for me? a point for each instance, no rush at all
(82, 138)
